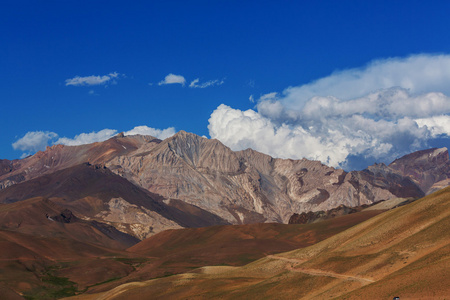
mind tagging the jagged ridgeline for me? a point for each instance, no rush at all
(142, 185)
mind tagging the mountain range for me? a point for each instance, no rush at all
(142, 185)
(98, 218)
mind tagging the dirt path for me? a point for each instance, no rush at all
(291, 260)
(315, 272)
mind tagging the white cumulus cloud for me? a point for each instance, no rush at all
(103, 135)
(417, 73)
(386, 109)
(248, 129)
(438, 125)
(172, 78)
(34, 141)
(92, 80)
(88, 138)
(158, 133)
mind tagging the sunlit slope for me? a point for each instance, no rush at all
(182, 250)
(403, 252)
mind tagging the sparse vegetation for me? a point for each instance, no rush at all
(53, 287)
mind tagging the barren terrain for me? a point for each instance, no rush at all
(403, 252)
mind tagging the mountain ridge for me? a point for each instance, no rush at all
(239, 187)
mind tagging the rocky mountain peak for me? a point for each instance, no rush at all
(425, 167)
(187, 146)
(429, 158)
(201, 152)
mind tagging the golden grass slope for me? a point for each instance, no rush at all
(404, 252)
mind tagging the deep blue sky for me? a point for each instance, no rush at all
(256, 47)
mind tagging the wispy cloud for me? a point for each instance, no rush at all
(379, 112)
(179, 79)
(172, 78)
(92, 80)
(195, 83)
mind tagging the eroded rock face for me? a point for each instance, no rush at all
(135, 220)
(425, 168)
(200, 182)
(247, 186)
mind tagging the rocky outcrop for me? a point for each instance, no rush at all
(386, 178)
(426, 168)
(311, 217)
(248, 186)
(137, 220)
(66, 216)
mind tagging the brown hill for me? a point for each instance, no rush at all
(177, 251)
(38, 237)
(238, 244)
(60, 157)
(51, 253)
(403, 252)
(92, 192)
(30, 263)
(43, 217)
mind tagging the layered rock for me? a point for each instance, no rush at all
(247, 186)
(216, 185)
(429, 169)
(94, 193)
(58, 157)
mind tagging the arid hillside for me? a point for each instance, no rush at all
(48, 252)
(59, 157)
(93, 192)
(403, 252)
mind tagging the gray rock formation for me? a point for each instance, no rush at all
(248, 186)
(429, 169)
